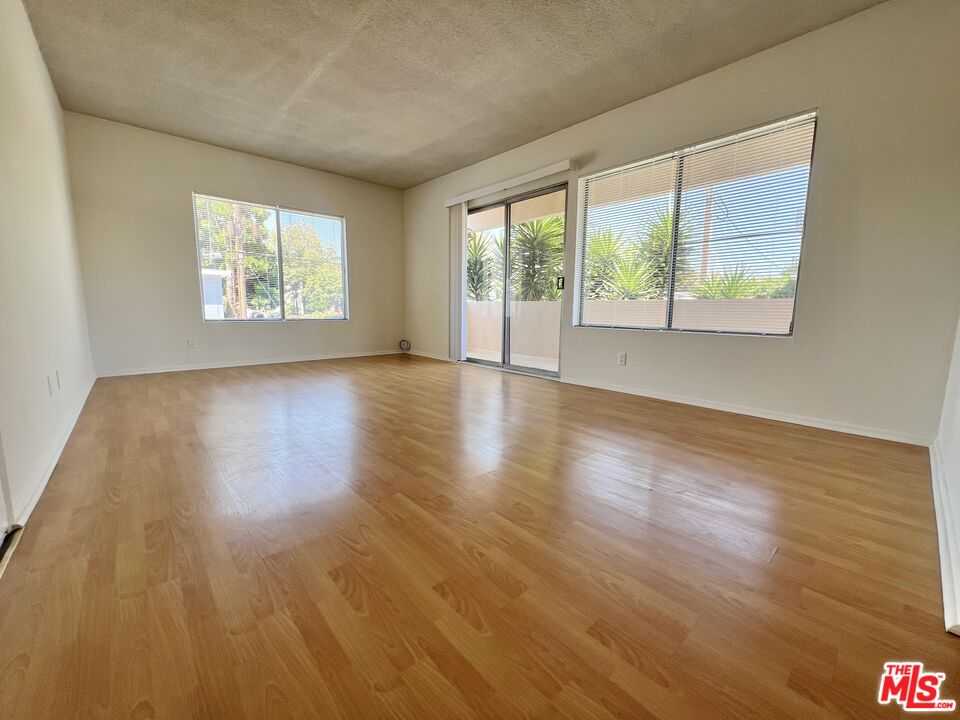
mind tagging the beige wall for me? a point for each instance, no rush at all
(132, 194)
(878, 296)
(42, 325)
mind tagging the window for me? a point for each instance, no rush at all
(313, 277)
(702, 239)
(248, 252)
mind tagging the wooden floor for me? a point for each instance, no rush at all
(402, 538)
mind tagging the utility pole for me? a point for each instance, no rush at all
(240, 274)
(707, 227)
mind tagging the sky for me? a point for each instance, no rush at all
(328, 229)
(756, 222)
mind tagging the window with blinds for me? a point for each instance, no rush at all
(313, 267)
(248, 252)
(702, 239)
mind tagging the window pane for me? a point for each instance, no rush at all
(237, 247)
(628, 221)
(742, 211)
(313, 267)
(485, 248)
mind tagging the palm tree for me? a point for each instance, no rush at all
(611, 260)
(655, 247)
(536, 249)
(603, 255)
(479, 275)
(632, 279)
(736, 284)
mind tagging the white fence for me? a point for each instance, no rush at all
(752, 316)
(534, 331)
(535, 325)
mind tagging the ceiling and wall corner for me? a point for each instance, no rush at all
(392, 91)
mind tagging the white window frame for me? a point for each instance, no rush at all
(678, 153)
(283, 304)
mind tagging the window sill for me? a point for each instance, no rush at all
(678, 331)
(265, 321)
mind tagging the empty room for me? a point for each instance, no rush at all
(560, 360)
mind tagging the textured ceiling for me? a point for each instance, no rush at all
(396, 92)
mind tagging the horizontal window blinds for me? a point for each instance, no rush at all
(706, 238)
(313, 267)
(239, 262)
(626, 246)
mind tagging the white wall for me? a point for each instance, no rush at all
(132, 197)
(945, 459)
(878, 295)
(42, 322)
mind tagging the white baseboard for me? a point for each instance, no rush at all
(757, 412)
(23, 513)
(948, 533)
(244, 363)
(430, 355)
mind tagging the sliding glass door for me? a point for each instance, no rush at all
(514, 281)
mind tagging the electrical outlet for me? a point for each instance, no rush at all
(59, 386)
(49, 386)
(191, 344)
(621, 358)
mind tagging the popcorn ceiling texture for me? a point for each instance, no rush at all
(394, 92)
